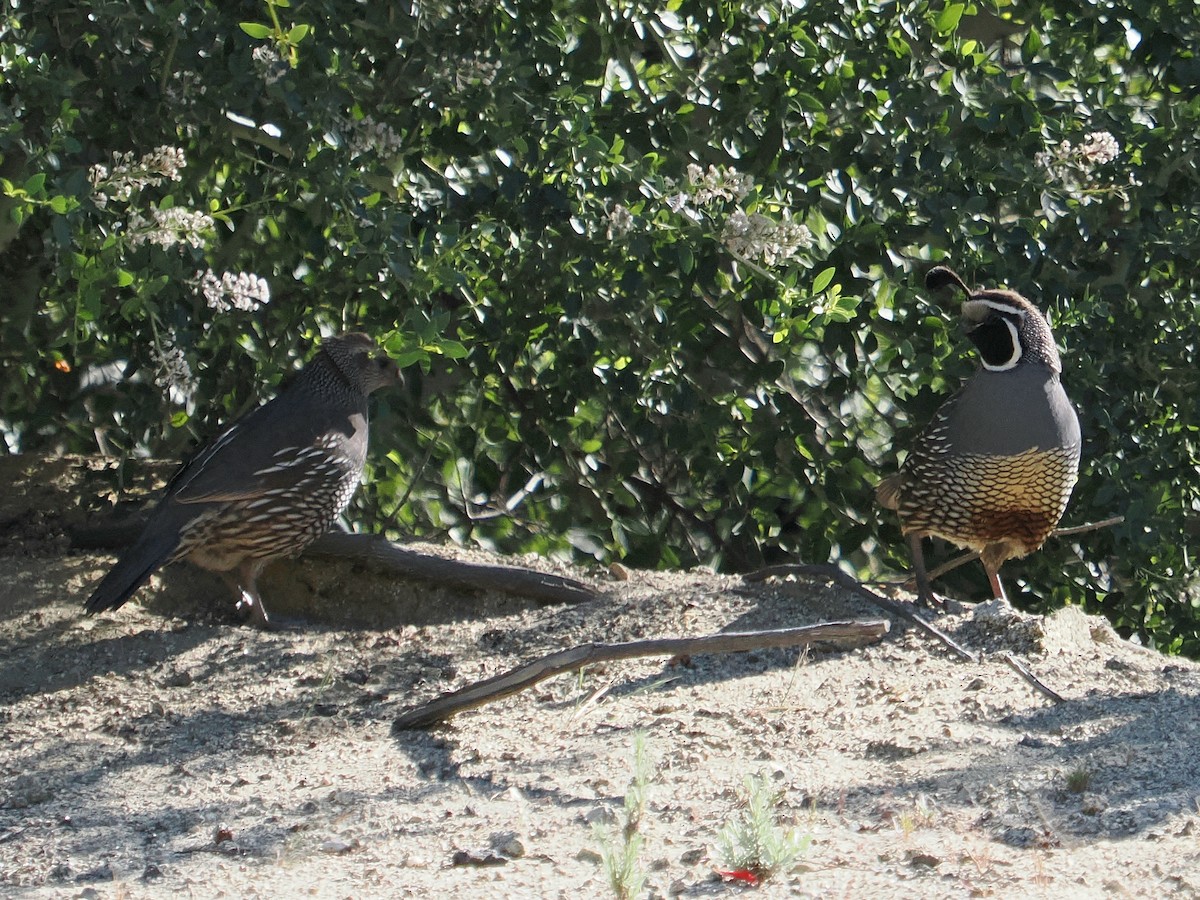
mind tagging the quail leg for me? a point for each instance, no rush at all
(925, 594)
(994, 579)
(244, 582)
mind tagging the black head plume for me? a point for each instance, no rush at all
(941, 277)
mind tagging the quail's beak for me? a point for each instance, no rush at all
(393, 372)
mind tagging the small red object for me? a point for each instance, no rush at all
(739, 875)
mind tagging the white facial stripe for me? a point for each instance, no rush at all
(1005, 308)
(996, 306)
(1016, 356)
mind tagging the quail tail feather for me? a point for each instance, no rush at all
(133, 569)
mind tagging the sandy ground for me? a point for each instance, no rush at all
(166, 749)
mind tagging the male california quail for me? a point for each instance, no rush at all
(267, 486)
(994, 469)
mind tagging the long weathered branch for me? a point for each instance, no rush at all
(845, 634)
(836, 575)
(383, 554)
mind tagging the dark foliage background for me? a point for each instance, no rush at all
(655, 269)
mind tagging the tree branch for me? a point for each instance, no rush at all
(1024, 671)
(382, 553)
(837, 576)
(843, 634)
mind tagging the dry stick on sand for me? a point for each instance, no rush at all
(1023, 670)
(842, 634)
(895, 607)
(905, 612)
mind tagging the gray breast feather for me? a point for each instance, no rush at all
(1005, 413)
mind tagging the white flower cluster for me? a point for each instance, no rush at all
(717, 184)
(1066, 161)
(183, 86)
(174, 372)
(128, 174)
(233, 290)
(620, 222)
(271, 67)
(368, 136)
(756, 236)
(464, 72)
(475, 70)
(168, 227)
(1100, 148)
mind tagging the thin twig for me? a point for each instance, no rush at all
(1087, 526)
(525, 676)
(1023, 670)
(896, 608)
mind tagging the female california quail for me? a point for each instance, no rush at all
(994, 469)
(267, 486)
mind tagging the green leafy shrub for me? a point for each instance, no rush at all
(655, 268)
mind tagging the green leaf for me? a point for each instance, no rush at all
(35, 183)
(255, 29)
(179, 419)
(298, 33)
(409, 357)
(822, 281)
(452, 349)
(687, 260)
(124, 278)
(60, 204)
(947, 21)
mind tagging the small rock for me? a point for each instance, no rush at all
(888, 750)
(1020, 836)
(924, 861)
(589, 856)
(337, 846)
(152, 873)
(100, 873)
(600, 815)
(178, 678)
(692, 857)
(476, 858)
(507, 843)
(221, 834)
